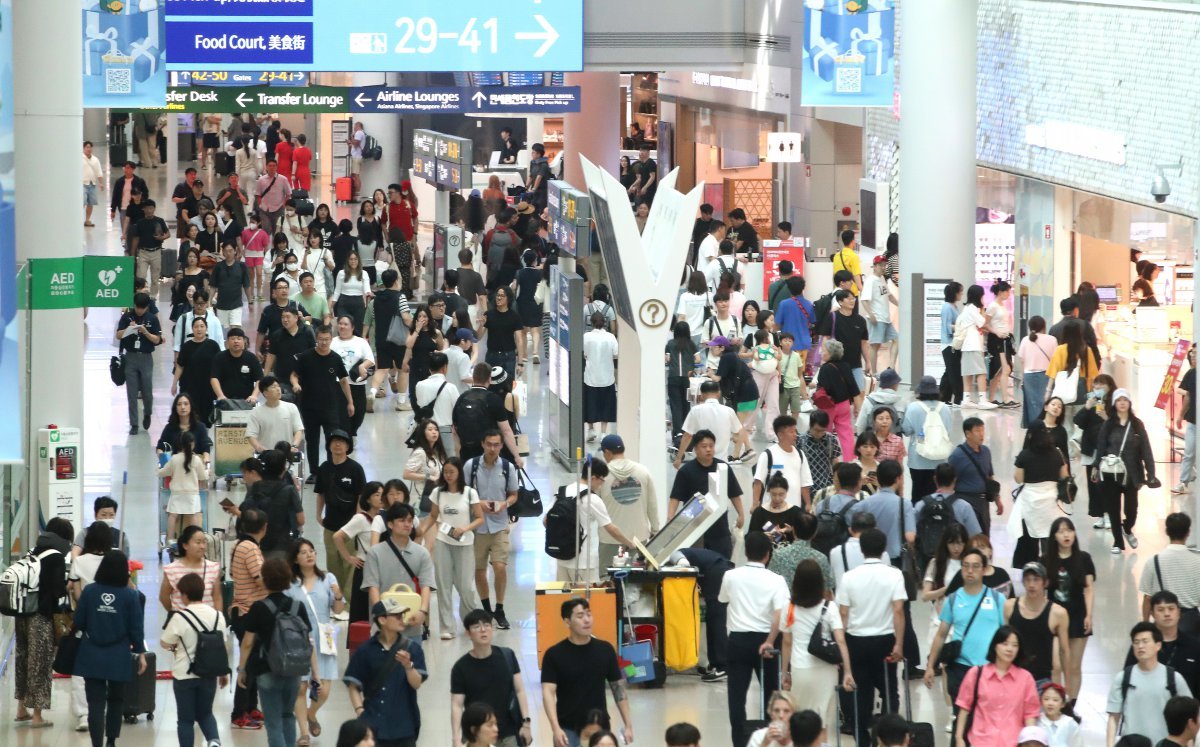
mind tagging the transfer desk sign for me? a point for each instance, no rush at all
(374, 35)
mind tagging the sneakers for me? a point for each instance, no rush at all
(1102, 523)
(806, 407)
(713, 675)
(342, 616)
(245, 722)
(950, 726)
(257, 715)
(745, 456)
(1116, 550)
(403, 404)
(968, 403)
(1180, 488)
(500, 619)
(83, 724)
(1130, 540)
(982, 404)
(447, 635)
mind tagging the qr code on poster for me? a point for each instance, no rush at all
(118, 80)
(848, 80)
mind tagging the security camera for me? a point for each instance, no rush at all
(1160, 188)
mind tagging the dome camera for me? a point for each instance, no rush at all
(1160, 188)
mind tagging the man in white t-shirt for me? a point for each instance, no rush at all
(356, 141)
(93, 182)
(593, 516)
(599, 378)
(710, 246)
(431, 390)
(274, 420)
(711, 415)
(457, 353)
(784, 457)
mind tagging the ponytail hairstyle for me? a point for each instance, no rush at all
(1037, 325)
(1000, 286)
(187, 442)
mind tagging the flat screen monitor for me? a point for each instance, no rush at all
(691, 520)
(1109, 293)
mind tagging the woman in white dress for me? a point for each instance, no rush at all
(454, 514)
(968, 334)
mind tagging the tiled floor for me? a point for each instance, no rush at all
(109, 452)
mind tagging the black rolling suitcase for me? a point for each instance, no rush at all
(222, 163)
(919, 734)
(763, 720)
(139, 693)
(118, 155)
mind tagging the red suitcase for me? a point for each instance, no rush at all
(344, 189)
(359, 633)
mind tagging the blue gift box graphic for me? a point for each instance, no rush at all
(833, 30)
(133, 32)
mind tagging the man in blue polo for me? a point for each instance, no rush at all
(383, 677)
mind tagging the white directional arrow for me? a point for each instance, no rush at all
(359, 100)
(548, 35)
(479, 98)
(241, 103)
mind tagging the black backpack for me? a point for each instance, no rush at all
(471, 417)
(936, 515)
(289, 652)
(562, 542)
(210, 658)
(371, 149)
(425, 412)
(822, 308)
(737, 276)
(1128, 674)
(832, 527)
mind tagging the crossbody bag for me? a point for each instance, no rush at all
(399, 556)
(991, 487)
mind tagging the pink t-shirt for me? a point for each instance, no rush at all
(1003, 705)
(256, 242)
(1035, 355)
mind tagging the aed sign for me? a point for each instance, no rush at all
(75, 282)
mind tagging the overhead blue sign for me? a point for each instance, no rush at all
(375, 35)
(239, 7)
(528, 100)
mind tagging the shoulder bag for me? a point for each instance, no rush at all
(1114, 464)
(397, 332)
(514, 704)
(951, 650)
(407, 568)
(821, 643)
(529, 500)
(991, 487)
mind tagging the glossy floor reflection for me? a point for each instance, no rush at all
(109, 453)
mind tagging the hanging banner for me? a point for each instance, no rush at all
(123, 62)
(848, 53)
(1167, 390)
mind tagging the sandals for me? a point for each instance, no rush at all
(303, 741)
(380, 393)
(314, 727)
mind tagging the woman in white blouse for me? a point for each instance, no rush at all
(1000, 345)
(424, 466)
(968, 337)
(811, 681)
(316, 259)
(455, 512)
(352, 291)
(358, 532)
(945, 563)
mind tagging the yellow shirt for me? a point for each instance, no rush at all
(1058, 362)
(847, 259)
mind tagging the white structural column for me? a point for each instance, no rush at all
(937, 151)
(385, 128)
(595, 132)
(48, 130)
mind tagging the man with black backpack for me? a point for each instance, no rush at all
(383, 677)
(725, 264)
(939, 510)
(833, 511)
(1139, 693)
(578, 508)
(196, 636)
(477, 411)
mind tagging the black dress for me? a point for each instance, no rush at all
(196, 359)
(423, 347)
(530, 310)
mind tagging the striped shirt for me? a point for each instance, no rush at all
(1176, 569)
(245, 568)
(211, 574)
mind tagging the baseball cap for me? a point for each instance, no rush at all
(612, 442)
(1035, 568)
(466, 334)
(879, 259)
(720, 341)
(1033, 734)
(386, 607)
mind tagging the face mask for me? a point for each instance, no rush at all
(110, 522)
(292, 266)
(1100, 390)
(253, 226)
